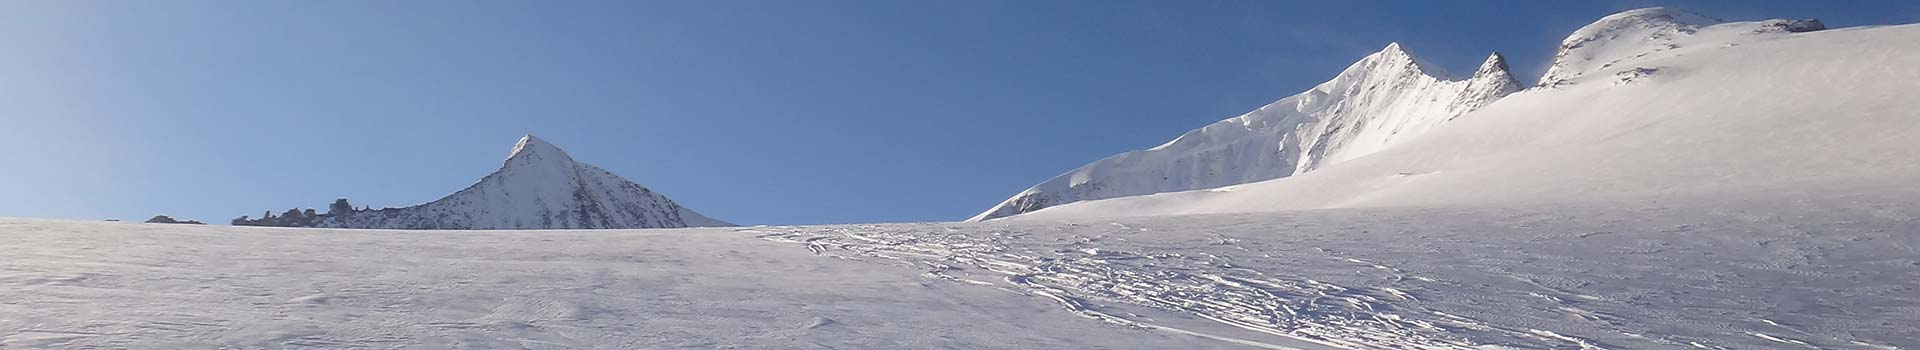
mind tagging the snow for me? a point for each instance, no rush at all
(1735, 108)
(149, 286)
(538, 186)
(1622, 36)
(1728, 186)
(1752, 272)
(1380, 101)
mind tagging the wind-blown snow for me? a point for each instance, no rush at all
(538, 186)
(1377, 102)
(1732, 108)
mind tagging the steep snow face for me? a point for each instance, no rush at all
(1736, 108)
(538, 187)
(1620, 36)
(1381, 100)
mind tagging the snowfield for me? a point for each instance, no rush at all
(1776, 271)
(86, 285)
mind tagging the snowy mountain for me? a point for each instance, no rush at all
(1648, 104)
(538, 187)
(1382, 100)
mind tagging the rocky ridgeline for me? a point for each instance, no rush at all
(163, 219)
(297, 217)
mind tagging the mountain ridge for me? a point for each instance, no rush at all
(1378, 100)
(1778, 106)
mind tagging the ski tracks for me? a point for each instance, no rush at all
(1119, 285)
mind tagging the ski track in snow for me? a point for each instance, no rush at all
(1632, 276)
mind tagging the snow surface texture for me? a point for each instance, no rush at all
(1810, 270)
(1730, 108)
(537, 187)
(1377, 102)
(85, 285)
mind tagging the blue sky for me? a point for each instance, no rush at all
(778, 112)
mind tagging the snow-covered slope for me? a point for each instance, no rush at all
(1621, 36)
(1714, 109)
(1381, 100)
(537, 187)
(1763, 270)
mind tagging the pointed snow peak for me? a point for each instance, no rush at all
(1494, 63)
(1496, 76)
(1398, 54)
(1393, 53)
(1393, 47)
(1391, 60)
(1495, 71)
(534, 147)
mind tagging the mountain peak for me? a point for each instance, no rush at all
(1393, 47)
(538, 187)
(1392, 53)
(1393, 60)
(1495, 69)
(1397, 55)
(1490, 82)
(1494, 62)
(530, 146)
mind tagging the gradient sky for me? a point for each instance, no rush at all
(757, 112)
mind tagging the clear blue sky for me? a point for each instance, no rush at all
(778, 112)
